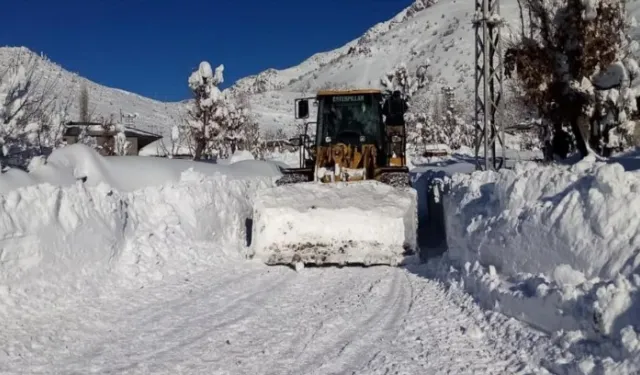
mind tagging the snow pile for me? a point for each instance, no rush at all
(237, 156)
(241, 155)
(582, 211)
(188, 225)
(61, 235)
(291, 159)
(366, 222)
(557, 247)
(133, 218)
(163, 148)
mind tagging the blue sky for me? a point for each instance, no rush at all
(151, 46)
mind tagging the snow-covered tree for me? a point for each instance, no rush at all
(234, 128)
(437, 121)
(574, 67)
(209, 109)
(253, 141)
(52, 128)
(440, 122)
(457, 131)
(218, 123)
(399, 79)
(27, 113)
(121, 144)
(86, 139)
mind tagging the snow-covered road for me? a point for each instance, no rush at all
(272, 320)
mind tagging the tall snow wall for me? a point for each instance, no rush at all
(132, 219)
(534, 219)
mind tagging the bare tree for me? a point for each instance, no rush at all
(253, 141)
(557, 65)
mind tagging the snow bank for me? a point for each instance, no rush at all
(164, 148)
(128, 173)
(557, 247)
(239, 155)
(366, 222)
(50, 234)
(138, 218)
(549, 218)
(290, 159)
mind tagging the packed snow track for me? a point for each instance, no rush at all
(267, 320)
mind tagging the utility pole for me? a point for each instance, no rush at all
(489, 107)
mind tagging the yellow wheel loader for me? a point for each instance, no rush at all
(350, 141)
(350, 200)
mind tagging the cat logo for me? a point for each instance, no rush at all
(348, 98)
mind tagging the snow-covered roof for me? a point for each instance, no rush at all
(98, 128)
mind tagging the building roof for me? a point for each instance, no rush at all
(96, 129)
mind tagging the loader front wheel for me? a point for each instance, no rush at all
(292, 178)
(395, 179)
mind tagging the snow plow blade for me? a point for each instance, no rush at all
(364, 223)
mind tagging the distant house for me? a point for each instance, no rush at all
(104, 137)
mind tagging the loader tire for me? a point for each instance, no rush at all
(292, 178)
(396, 179)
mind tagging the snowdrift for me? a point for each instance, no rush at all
(548, 217)
(366, 222)
(557, 247)
(70, 223)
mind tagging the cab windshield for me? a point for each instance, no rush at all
(348, 118)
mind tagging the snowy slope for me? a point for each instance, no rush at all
(441, 34)
(153, 115)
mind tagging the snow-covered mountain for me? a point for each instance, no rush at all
(438, 33)
(427, 31)
(152, 115)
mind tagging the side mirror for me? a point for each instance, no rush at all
(302, 108)
(296, 142)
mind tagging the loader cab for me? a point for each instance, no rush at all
(352, 117)
(355, 117)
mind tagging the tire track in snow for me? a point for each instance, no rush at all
(353, 347)
(142, 321)
(271, 320)
(447, 333)
(195, 320)
(326, 318)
